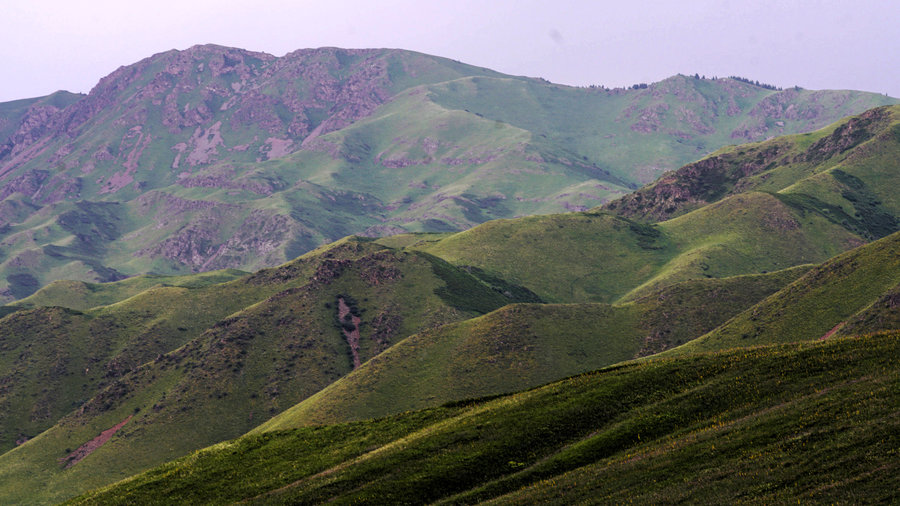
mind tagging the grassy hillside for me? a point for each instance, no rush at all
(54, 359)
(308, 323)
(600, 257)
(745, 233)
(573, 257)
(855, 287)
(662, 126)
(747, 209)
(81, 296)
(524, 345)
(812, 422)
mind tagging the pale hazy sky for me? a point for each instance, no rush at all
(46, 45)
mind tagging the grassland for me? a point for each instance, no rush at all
(780, 423)
(361, 329)
(841, 172)
(747, 209)
(601, 257)
(412, 143)
(81, 296)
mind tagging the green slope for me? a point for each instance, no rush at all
(644, 132)
(81, 296)
(854, 286)
(748, 209)
(809, 423)
(596, 256)
(54, 359)
(563, 258)
(264, 342)
(844, 172)
(745, 233)
(525, 345)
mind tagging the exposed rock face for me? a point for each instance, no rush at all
(202, 103)
(204, 244)
(697, 184)
(852, 133)
(744, 168)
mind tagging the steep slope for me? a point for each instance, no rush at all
(525, 345)
(296, 329)
(183, 110)
(53, 359)
(770, 424)
(657, 127)
(24, 121)
(214, 157)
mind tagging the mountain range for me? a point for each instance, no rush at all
(727, 332)
(215, 157)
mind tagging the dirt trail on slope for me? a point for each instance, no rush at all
(352, 336)
(92, 445)
(832, 331)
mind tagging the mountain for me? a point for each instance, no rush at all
(214, 157)
(725, 321)
(102, 381)
(843, 172)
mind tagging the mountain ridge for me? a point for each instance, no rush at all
(185, 154)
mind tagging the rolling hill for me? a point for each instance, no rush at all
(853, 290)
(174, 368)
(749, 209)
(525, 345)
(725, 331)
(779, 423)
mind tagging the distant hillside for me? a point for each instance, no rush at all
(718, 299)
(749, 209)
(214, 157)
(144, 370)
(598, 256)
(845, 172)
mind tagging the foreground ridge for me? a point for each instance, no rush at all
(812, 421)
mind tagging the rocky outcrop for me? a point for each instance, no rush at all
(221, 238)
(697, 184)
(848, 135)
